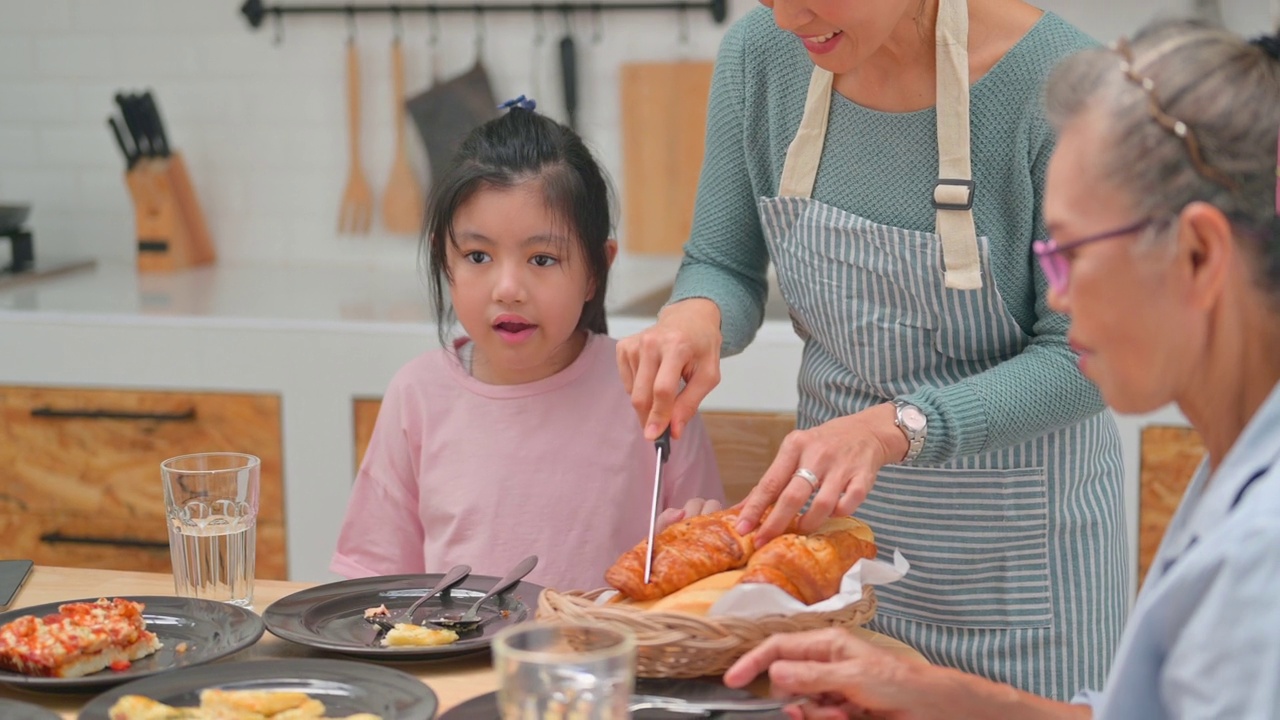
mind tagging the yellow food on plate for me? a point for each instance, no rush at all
(409, 635)
(230, 705)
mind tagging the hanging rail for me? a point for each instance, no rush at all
(255, 10)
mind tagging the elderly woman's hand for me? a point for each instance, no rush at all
(837, 675)
(833, 674)
(840, 458)
(695, 507)
(683, 347)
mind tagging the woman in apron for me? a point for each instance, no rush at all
(896, 190)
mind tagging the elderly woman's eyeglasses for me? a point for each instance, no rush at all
(1167, 121)
(1056, 266)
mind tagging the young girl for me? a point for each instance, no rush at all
(518, 438)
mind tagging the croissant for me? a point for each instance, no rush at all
(810, 567)
(683, 553)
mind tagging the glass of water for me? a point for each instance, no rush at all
(211, 500)
(563, 671)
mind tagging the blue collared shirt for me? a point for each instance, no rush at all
(1203, 640)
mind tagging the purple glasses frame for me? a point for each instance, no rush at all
(1056, 267)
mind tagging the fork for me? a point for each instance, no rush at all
(451, 578)
(356, 214)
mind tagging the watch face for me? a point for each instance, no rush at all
(913, 419)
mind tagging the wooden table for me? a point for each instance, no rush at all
(454, 681)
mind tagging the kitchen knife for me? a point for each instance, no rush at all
(128, 109)
(130, 156)
(155, 126)
(663, 447)
(569, 75)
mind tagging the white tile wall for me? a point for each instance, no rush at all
(263, 127)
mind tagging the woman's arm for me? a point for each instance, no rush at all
(1036, 391)
(726, 258)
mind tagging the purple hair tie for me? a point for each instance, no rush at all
(522, 102)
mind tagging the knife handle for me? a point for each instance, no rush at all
(156, 127)
(663, 444)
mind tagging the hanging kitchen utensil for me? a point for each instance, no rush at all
(356, 213)
(539, 41)
(569, 73)
(664, 118)
(402, 201)
(449, 110)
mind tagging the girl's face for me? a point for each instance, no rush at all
(841, 34)
(1130, 320)
(518, 283)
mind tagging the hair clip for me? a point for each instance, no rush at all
(1270, 44)
(522, 102)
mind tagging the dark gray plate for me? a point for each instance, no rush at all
(331, 617)
(210, 629)
(344, 686)
(14, 710)
(485, 707)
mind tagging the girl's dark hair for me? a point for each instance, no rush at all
(514, 148)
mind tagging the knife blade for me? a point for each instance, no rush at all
(663, 447)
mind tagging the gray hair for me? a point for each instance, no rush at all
(1227, 93)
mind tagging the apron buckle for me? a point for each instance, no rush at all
(953, 194)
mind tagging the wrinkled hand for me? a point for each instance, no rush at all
(845, 454)
(839, 676)
(693, 508)
(683, 347)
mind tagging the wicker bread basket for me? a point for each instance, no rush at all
(680, 645)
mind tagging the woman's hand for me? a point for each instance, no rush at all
(836, 675)
(693, 508)
(683, 347)
(843, 457)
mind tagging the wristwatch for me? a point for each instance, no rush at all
(914, 426)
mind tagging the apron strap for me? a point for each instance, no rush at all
(953, 193)
(801, 167)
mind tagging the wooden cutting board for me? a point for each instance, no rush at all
(664, 117)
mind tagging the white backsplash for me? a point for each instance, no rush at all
(263, 127)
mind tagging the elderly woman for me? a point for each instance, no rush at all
(1162, 202)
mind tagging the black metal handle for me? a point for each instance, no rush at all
(57, 537)
(49, 412)
(256, 10)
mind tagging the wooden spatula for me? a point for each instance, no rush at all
(402, 204)
(356, 214)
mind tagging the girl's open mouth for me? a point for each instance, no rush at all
(514, 330)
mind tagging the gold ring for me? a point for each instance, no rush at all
(808, 476)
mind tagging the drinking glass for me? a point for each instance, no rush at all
(211, 500)
(563, 671)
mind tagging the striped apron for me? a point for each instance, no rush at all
(1018, 557)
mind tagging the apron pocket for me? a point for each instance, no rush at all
(977, 541)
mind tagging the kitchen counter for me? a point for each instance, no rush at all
(454, 681)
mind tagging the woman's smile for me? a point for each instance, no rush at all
(822, 44)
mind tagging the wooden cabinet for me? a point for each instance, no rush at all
(745, 443)
(365, 412)
(1170, 456)
(80, 471)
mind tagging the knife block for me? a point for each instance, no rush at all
(172, 234)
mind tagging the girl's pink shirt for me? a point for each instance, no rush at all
(458, 471)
